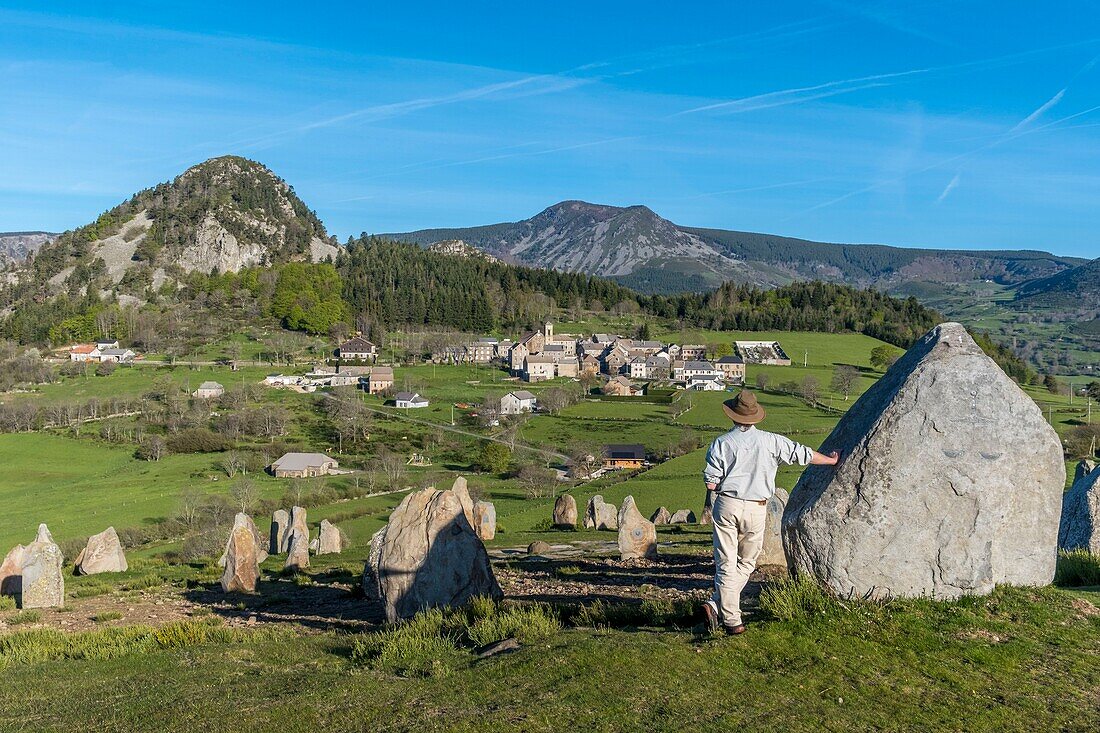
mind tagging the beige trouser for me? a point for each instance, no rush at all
(738, 539)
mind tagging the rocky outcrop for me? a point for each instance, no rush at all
(682, 516)
(600, 515)
(565, 512)
(242, 567)
(485, 520)
(279, 539)
(661, 516)
(1080, 525)
(330, 541)
(102, 554)
(772, 552)
(637, 535)
(430, 557)
(950, 482)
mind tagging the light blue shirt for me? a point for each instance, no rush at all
(743, 462)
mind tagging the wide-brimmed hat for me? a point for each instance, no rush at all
(744, 409)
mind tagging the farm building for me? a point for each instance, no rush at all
(84, 352)
(624, 456)
(762, 352)
(209, 390)
(303, 465)
(119, 356)
(620, 386)
(516, 402)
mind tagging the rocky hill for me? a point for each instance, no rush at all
(15, 246)
(222, 215)
(641, 249)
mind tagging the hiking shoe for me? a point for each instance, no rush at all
(710, 610)
(735, 630)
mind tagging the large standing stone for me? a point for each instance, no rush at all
(1084, 468)
(772, 552)
(485, 520)
(461, 489)
(565, 512)
(329, 539)
(43, 585)
(102, 554)
(661, 516)
(430, 557)
(1080, 528)
(950, 482)
(279, 540)
(11, 572)
(261, 542)
(297, 521)
(637, 535)
(242, 567)
(682, 516)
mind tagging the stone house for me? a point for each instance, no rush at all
(539, 368)
(209, 390)
(732, 368)
(620, 386)
(380, 379)
(357, 349)
(303, 465)
(517, 402)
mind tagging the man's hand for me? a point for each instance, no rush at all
(820, 459)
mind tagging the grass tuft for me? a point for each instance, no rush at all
(7, 603)
(798, 598)
(25, 617)
(105, 616)
(1077, 568)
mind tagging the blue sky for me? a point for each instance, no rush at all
(958, 123)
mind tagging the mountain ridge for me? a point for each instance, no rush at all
(637, 247)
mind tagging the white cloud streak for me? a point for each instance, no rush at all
(1039, 111)
(951, 186)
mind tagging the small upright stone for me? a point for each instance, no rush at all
(1084, 468)
(708, 510)
(683, 516)
(242, 570)
(637, 535)
(485, 520)
(565, 512)
(43, 585)
(329, 539)
(600, 515)
(297, 521)
(279, 541)
(772, 552)
(11, 572)
(43, 534)
(102, 554)
(661, 516)
(1080, 525)
(297, 557)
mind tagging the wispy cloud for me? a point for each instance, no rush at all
(1039, 111)
(951, 186)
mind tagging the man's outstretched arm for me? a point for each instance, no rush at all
(820, 459)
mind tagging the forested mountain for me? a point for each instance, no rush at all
(639, 248)
(224, 214)
(391, 283)
(1075, 289)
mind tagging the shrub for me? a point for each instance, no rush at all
(198, 440)
(105, 616)
(1077, 568)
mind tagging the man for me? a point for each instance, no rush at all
(740, 471)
